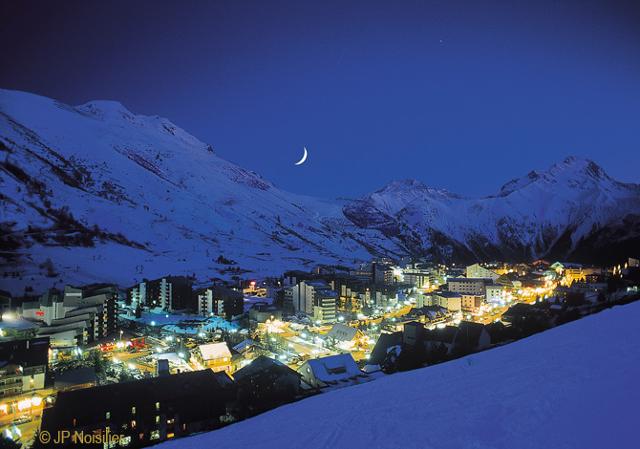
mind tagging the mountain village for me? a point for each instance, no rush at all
(169, 357)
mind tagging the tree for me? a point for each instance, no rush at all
(99, 364)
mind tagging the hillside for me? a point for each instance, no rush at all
(571, 387)
(96, 193)
(108, 195)
(572, 210)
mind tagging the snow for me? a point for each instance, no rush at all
(180, 206)
(214, 351)
(532, 212)
(166, 192)
(175, 322)
(342, 332)
(574, 386)
(250, 301)
(333, 368)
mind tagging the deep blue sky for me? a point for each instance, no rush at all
(460, 95)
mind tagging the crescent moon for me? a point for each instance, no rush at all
(304, 157)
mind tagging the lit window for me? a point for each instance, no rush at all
(133, 423)
(157, 406)
(107, 415)
(133, 410)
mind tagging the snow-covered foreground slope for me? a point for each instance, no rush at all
(574, 386)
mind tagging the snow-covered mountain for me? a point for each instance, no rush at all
(572, 387)
(107, 195)
(574, 209)
(97, 193)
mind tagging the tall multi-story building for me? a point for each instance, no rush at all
(105, 298)
(220, 301)
(382, 273)
(76, 316)
(324, 306)
(287, 302)
(417, 277)
(168, 293)
(138, 295)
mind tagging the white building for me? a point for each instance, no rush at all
(138, 295)
(449, 300)
(324, 308)
(469, 286)
(335, 370)
(306, 294)
(494, 293)
(478, 271)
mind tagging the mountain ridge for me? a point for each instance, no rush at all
(97, 193)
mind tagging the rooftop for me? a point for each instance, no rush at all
(214, 351)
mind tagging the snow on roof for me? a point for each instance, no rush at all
(18, 323)
(342, 332)
(334, 368)
(214, 351)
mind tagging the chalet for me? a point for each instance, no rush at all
(521, 312)
(413, 333)
(428, 314)
(384, 344)
(266, 383)
(471, 337)
(438, 337)
(215, 356)
(332, 371)
(344, 336)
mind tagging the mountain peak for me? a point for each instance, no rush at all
(571, 168)
(580, 164)
(412, 187)
(105, 108)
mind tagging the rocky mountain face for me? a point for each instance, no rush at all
(574, 210)
(97, 193)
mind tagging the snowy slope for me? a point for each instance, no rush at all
(112, 196)
(574, 386)
(97, 193)
(544, 214)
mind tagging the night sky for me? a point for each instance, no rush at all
(460, 95)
